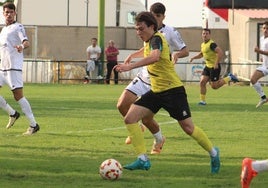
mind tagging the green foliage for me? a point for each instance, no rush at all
(81, 127)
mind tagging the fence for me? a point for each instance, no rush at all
(48, 71)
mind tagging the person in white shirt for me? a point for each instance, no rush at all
(141, 83)
(263, 69)
(13, 40)
(93, 56)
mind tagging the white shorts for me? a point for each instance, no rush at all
(263, 69)
(138, 87)
(90, 65)
(11, 78)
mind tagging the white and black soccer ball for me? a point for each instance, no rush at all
(110, 169)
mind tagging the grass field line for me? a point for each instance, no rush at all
(114, 128)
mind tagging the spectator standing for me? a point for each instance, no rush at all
(93, 55)
(111, 53)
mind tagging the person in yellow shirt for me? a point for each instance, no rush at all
(167, 91)
(213, 56)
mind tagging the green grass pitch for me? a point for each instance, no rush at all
(81, 127)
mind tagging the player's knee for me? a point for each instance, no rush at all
(253, 81)
(214, 86)
(122, 108)
(128, 120)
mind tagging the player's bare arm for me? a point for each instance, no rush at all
(137, 54)
(259, 51)
(152, 58)
(219, 52)
(198, 56)
(184, 52)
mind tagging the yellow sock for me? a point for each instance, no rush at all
(202, 97)
(227, 79)
(200, 136)
(137, 138)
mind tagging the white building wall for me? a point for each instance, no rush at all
(212, 20)
(56, 12)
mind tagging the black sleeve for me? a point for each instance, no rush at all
(213, 46)
(156, 43)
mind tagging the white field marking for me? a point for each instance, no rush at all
(116, 128)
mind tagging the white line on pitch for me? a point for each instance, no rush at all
(117, 128)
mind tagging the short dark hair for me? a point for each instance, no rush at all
(148, 18)
(265, 23)
(94, 38)
(158, 8)
(206, 29)
(9, 5)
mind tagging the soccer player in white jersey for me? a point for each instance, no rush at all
(13, 40)
(263, 69)
(141, 83)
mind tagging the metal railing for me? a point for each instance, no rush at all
(61, 71)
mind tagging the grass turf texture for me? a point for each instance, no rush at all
(81, 127)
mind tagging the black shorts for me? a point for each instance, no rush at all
(174, 101)
(213, 74)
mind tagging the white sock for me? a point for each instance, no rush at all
(26, 109)
(260, 166)
(5, 106)
(143, 157)
(258, 88)
(213, 152)
(158, 136)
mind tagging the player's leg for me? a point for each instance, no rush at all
(27, 110)
(203, 89)
(155, 129)
(15, 82)
(258, 73)
(13, 114)
(200, 136)
(177, 105)
(135, 114)
(125, 100)
(216, 82)
(129, 96)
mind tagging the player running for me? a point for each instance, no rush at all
(141, 83)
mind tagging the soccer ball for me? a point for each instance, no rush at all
(111, 169)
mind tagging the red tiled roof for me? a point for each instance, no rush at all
(253, 13)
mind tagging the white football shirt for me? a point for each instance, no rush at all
(11, 36)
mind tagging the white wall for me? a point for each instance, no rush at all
(55, 12)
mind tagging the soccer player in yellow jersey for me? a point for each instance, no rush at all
(213, 56)
(167, 91)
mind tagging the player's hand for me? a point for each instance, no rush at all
(19, 48)
(191, 60)
(256, 49)
(122, 67)
(174, 58)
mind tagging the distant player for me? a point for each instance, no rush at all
(263, 69)
(213, 57)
